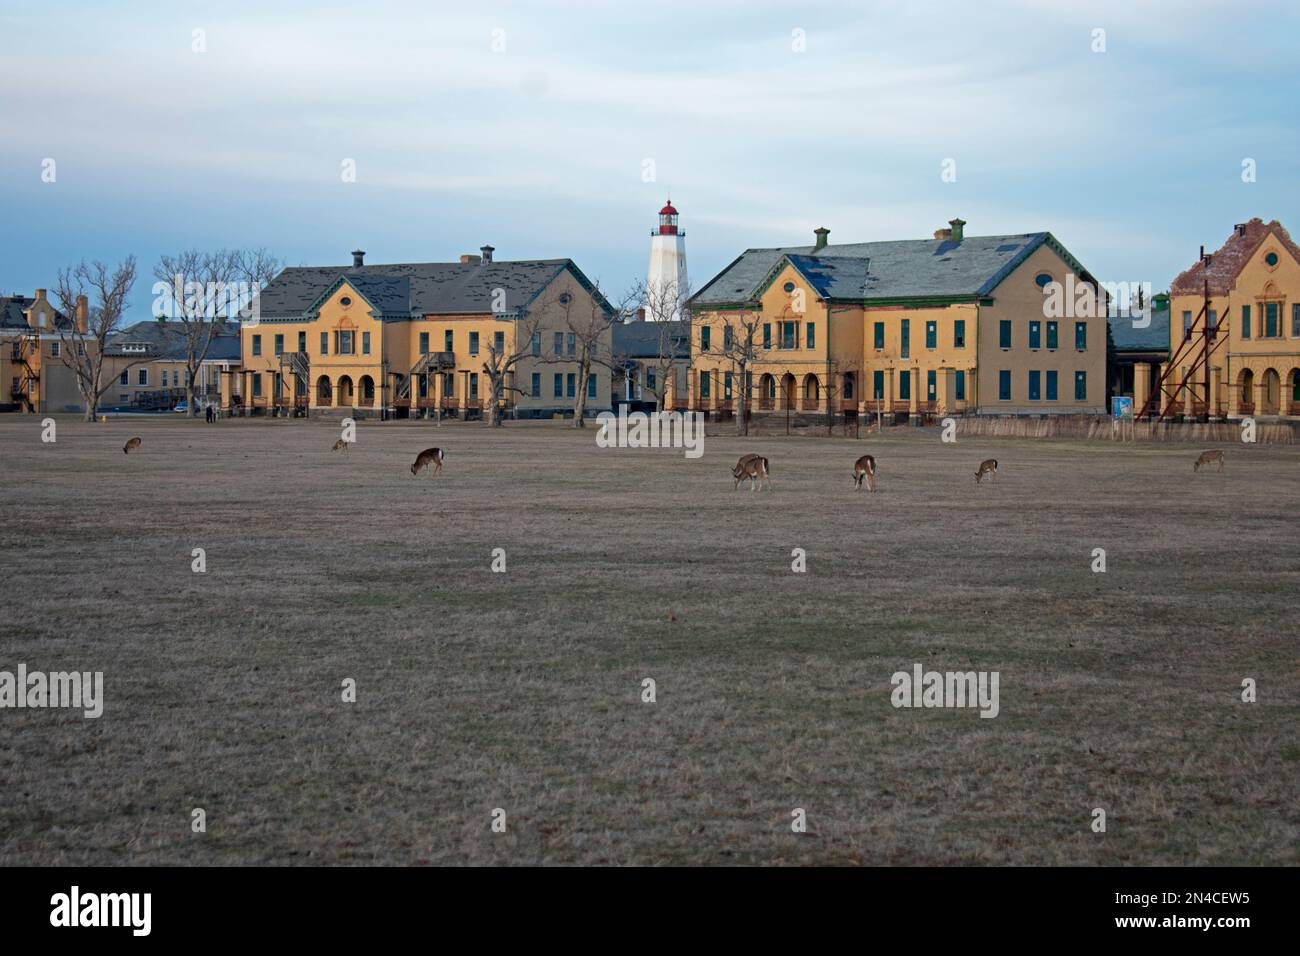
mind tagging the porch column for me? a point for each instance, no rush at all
(913, 405)
(1141, 385)
(945, 390)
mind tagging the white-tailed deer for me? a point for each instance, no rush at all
(425, 458)
(131, 445)
(989, 466)
(865, 467)
(753, 467)
(1208, 458)
(340, 445)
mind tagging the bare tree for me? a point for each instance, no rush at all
(204, 290)
(82, 349)
(500, 363)
(735, 345)
(835, 374)
(588, 322)
(662, 307)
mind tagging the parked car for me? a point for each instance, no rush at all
(182, 407)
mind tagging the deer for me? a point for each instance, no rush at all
(131, 445)
(340, 445)
(425, 458)
(865, 467)
(989, 466)
(1208, 458)
(753, 467)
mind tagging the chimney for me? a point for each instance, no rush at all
(358, 258)
(640, 314)
(82, 315)
(957, 226)
(487, 254)
(943, 234)
(1241, 228)
(40, 295)
(821, 232)
(469, 260)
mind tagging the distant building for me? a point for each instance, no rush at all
(413, 338)
(34, 375)
(667, 286)
(1139, 349)
(911, 328)
(1240, 307)
(651, 360)
(149, 364)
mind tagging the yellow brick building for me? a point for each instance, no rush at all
(910, 328)
(413, 339)
(1235, 313)
(34, 377)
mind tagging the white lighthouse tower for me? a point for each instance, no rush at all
(666, 284)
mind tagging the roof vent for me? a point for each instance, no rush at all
(358, 258)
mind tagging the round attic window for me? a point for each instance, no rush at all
(789, 287)
(565, 298)
(345, 301)
(1042, 279)
(1271, 259)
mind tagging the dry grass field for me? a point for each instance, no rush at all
(521, 690)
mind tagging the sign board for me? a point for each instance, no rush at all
(1121, 407)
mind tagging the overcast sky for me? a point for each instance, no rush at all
(530, 126)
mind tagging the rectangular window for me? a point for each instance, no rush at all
(54, 350)
(537, 385)
(1187, 323)
(704, 338)
(879, 337)
(1080, 386)
(1214, 319)
(1295, 321)
(1272, 320)
(1004, 334)
(257, 384)
(931, 334)
(1051, 386)
(324, 343)
(143, 377)
(473, 343)
(365, 343)
(559, 344)
(959, 385)
(767, 335)
(877, 385)
(905, 338)
(448, 341)
(1035, 335)
(931, 385)
(904, 385)
(279, 345)
(257, 345)
(499, 342)
(1052, 336)
(125, 379)
(571, 385)
(1004, 385)
(812, 336)
(1035, 386)
(537, 343)
(559, 385)
(345, 343)
(424, 343)
(1245, 321)
(302, 341)
(704, 385)
(959, 334)
(1081, 335)
(473, 384)
(650, 379)
(573, 344)
(726, 338)
(788, 331)
(726, 385)
(591, 386)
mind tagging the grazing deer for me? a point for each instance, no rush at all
(130, 445)
(429, 455)
(340, 445)
(1207, 458)
(865, 467)
(753, 467)
(989, 466)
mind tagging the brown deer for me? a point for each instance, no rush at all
(423, 460)
(131, 445)
(340, 445)
(865, 467)
(1208, 458)
(753, 467)
(989, 466)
